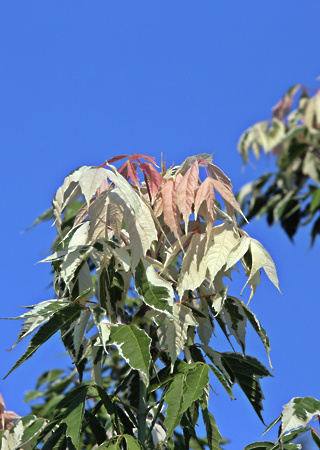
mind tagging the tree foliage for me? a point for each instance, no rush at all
(139, 267)
(291, 195)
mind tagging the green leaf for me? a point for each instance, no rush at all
(47, 330)
(131, 442)
(246, 371)
(222, 380)
(265, 445)
(316, 438)
(153, 290)
(134, 345)
(213, 433)
(174, 399)
(315, 202)
(195, 381)
(74, 415)
(32, 430)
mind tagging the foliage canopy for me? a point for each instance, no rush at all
(139, 267)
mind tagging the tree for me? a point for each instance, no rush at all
(139, 270)
(291, 195)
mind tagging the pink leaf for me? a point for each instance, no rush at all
(185, 192)
(170, 211)
(205, 193)
(139, 156)
(154, 179)
(128, 170)
(217, 174)
(116, 158)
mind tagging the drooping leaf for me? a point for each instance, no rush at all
(170, 210)
(134, 345)
(153, 178)
(262, 259)
(74, 415)
(213, 434)
(221, 242)
(173, 399)
(91, 180)
(193, 268)
(172, 332)
(246, 371)
(205, 193)
(62, 317)
(185, 191)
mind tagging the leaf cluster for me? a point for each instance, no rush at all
(291, 194)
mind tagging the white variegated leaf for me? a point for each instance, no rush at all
(193, 268)
(172, 332)
(262, 259)
(91, 180)
(237, 252)
(221, 242)
(298, 412)
(67, 193)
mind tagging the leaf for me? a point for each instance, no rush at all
(173, 399)
(196, 380)
(98, 213)
(213, 434)
(185, 191)
(131, 442)
(170, 209)
(298, 412)
(128, 171)
(74, 414)
(172, 332)
(262, 259)
(133, 345)
(153, 290)
(69, 191)
(316, 438)
(205, 193)
(90, 180)
(193, 267)
(55, 323)
(153, 178)
(238, 251)
(255, 323)
(247, 371)
(265, 445)
(31, 430)
(221, 242)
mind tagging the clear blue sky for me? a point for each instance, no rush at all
(81, 81)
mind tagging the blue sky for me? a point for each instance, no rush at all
(82, 81)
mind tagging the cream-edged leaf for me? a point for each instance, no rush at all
(134, 345)
(238, 251)
(91, 180)
(262, 259)
(172, 332)
(152, 289)
(193, 267)
(298, 412)
(221, 242)
(67, 193)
